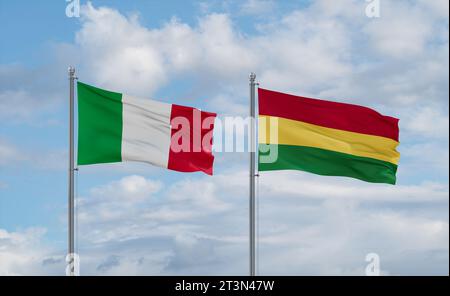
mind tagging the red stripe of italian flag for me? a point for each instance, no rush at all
(326, 138)
(115, 127)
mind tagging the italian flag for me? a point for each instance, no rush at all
(326, 138)
(115, 127)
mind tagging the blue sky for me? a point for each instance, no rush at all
(131, 218)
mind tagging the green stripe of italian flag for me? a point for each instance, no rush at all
(115, 127)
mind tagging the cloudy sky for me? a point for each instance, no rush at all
(140, 220)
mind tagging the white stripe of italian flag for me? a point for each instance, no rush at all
(115, 127)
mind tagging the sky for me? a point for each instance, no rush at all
(135, 219)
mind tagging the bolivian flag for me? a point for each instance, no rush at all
(326, 138)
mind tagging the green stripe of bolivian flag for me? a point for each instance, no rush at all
(328, 163)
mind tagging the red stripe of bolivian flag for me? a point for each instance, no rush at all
(326, 138)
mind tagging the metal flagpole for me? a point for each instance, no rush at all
(71, 201)
(252, 147)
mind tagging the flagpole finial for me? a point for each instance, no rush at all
(252, 76)
(71, 71)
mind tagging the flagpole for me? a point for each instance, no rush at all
(71, 200)
(252, 204)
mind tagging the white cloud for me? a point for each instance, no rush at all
(213, 52)
(30, 95)
(426, 122)
(229, 105)
(289, 185)
(9, 154)
(402, 31)
(135, 188)
(12, 155)
(13, 103)
(146, 58)
(337, 241)
(396, 60)
(440, 8)
(116, 200)
(324, 56)
(202, 194)
(431, 157)
(257, 7)
(305, 227)
(24, 253)
(117, 50)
